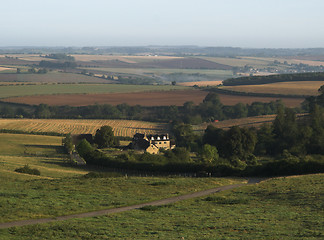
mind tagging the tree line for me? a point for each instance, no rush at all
(254, 80)
(289, 145)
(209, 110)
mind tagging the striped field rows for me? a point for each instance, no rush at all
(126, 128)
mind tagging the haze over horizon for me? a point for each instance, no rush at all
(234, 23)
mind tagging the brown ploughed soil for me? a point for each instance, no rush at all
(164, 98)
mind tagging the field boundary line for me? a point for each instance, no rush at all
(161, 202)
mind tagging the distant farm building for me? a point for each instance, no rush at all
(152, 143)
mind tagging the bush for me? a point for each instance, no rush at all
(26, 169)
(102, 175)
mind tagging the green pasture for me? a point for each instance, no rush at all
(62, 189)
(50, 77)
(42, 152)
(278, 209)
(45, 89)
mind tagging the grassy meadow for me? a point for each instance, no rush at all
(50, 77)
(282, 208)
(125, 128)
(62, 189)
(42, 152)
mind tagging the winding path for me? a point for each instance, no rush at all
(128, 208)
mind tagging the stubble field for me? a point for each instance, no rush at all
(125, 128)
(285, 88)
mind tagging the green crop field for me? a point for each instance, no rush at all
(43, 89)
(281, 209)
(50, 77)
(217, 74)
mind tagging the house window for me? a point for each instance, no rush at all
(159, 142)
(164, 142)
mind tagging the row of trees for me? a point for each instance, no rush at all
(103, 138)
(286, 134)
(209, 110)
(58, 65)
(253, 80)
(33, 70)
(290, 145)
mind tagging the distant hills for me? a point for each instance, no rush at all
(169, 50)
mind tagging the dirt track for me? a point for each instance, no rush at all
(128, 208)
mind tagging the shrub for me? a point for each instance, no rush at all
(26, 169)
(102, 175)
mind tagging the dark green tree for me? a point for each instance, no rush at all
(85, 149)
(43, 111)
(68, 143)
(184, 135)
(105, 137)
(239, 142)
(209, 154)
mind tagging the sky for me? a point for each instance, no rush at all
(227, 23)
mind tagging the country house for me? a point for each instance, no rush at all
(152, 143)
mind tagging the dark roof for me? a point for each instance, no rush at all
(142, 144)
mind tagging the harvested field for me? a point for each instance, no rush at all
(125, 128)
(178, 63)
(241, 61)
(165, 98)
(188, 63)
(242, 122)
(232, 100)
(129, 59)
(292, 88)
(256, 121)
(200, 83)
(5, 69)
(308, 58)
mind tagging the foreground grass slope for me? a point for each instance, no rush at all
(62, 189)
(283, 208)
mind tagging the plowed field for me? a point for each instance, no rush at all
(166, 98)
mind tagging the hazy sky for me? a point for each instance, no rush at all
(239, 23)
